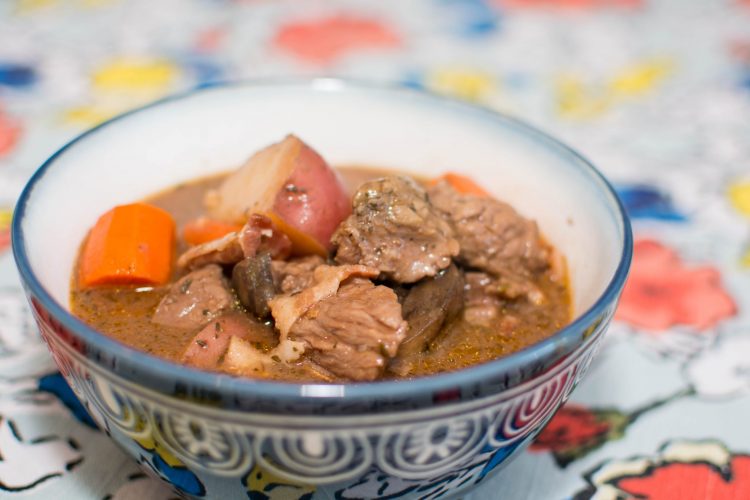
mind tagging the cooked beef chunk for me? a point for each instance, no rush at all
(481, 304)
(484, 298)
(429, 304)
(496, 239)
(316, 371)
(257, 236)
(287, 309)
(395, 229)
(291, 276)
(195, 299)
(355, 331)
(211, 343)
(253, 281)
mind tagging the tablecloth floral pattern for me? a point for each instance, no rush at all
(655, 92)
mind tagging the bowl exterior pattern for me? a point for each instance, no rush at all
(200, 448)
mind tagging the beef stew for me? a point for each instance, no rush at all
(290, 270)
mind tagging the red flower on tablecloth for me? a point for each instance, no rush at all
(661, 291)
(10, 132)
(569, 4)
(324, 40)
(688, 470)
(209, 40)
(575, 430)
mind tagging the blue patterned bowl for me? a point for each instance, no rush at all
(216, 436)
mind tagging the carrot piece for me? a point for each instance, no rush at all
(203, 230)
(302, 244)
(462, 184)
(130, 244)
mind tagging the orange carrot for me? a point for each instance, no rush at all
(462, 184)
(203, 230)
(130, 244)
(302, 244)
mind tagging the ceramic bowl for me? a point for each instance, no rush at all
(212, 435)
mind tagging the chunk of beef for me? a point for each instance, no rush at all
(287, 309)
(354, 332)
(291, 276)
(396, 230)
(253, 281)
(427, 307)
(484, 299)
(195, 299)
(210, 344)
(494, 238)
(259, 235)
(317, 372)
(481, 304)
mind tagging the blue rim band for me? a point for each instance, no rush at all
(558, 345)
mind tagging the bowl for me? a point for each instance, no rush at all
(213, 435)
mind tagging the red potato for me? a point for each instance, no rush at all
(294, 186)
(210, 344)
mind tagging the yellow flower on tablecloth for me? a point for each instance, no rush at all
(88, 115)
(471, 85)
(739, 196)
(578, 98)
(95, 3)
(123, 84)
(23, 6)
(641, 78)
(136, 74)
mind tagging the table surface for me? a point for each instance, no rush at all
(654, 92)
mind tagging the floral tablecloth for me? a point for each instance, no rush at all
(655, 92)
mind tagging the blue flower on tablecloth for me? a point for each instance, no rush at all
(16, 74)
(474, 18)
(203, 69)
(647, 202)
(413, 80)
(55, 384)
